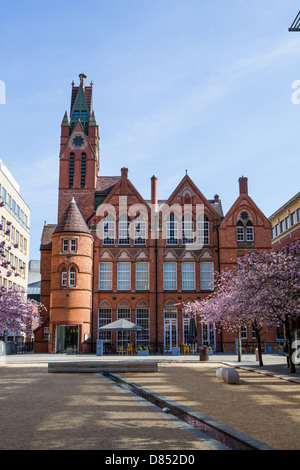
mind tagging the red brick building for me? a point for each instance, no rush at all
(113, 254)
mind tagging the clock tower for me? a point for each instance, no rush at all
(79, 152)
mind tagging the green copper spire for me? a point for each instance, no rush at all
(80, 110)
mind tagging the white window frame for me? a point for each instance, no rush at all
(170, 270)
(207, 275)
(105, 276)
(203, 231)
(109, 230)
(73, 245)
(64, 278)
(249, 233)
(65, 245)
(142, 276)
(72, 277)
(188, 276)
(124, 231)
(139, 231)
(240, 233)
(172, 228)
(124, 276)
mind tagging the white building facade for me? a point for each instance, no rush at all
(15, 217)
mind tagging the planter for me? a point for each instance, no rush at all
(143, 352)
(175, 351)
(210, 352)
(280, 351)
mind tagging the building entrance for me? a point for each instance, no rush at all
(67, 339)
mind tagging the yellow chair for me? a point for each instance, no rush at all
(130, 349)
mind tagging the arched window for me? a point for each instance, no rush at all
(64, 278)
(83, 169)
(109, 226)
(240, 231)
(123, 311)
(244, 227)
(203, 230)
(172, 230)
(142, 313)
(71, 171)
(249, 231)
(104, 317)
(187, 230)
(140, 230)
(124, 230)
(72, 281)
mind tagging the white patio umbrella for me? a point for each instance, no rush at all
(121, 325)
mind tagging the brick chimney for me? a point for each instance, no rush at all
(124, 173)
(243, 182)
(154, 192)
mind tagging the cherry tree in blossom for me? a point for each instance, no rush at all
(263, 292)
(17, 313)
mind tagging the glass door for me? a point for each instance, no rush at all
(170, 329)
(67, 339)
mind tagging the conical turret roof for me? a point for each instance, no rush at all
(72, 220)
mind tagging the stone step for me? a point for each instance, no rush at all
(96, 367)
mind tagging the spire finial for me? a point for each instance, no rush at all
(82, 77)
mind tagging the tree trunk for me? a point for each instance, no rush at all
(259, 349)
(289, 340)
(239, 345)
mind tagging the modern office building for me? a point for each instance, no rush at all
(286, 223)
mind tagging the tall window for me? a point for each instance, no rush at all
(240, 231)
(71, 171)
(123, 311)
(188, 276)
(105, 276)
(187, 230)
(83, 169)
(170, 276)
(72, 277)
(208, 334)
(109, 230)
(73, 245)
(124, 230)
(249, 232)
(143, 319)
(104, 317)
(140, 230)
(64, 278)
(142, 276)
(244, 227)
(203, 230)
(124, 277)
(206, 276)
(172, 230)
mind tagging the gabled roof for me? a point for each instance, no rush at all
(188, 182)
(106, 183)
(46, 240)
(72, 220)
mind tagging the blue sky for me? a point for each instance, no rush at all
(200, 85)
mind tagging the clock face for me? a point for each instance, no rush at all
(78, 141)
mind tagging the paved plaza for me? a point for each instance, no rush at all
(89, 412)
